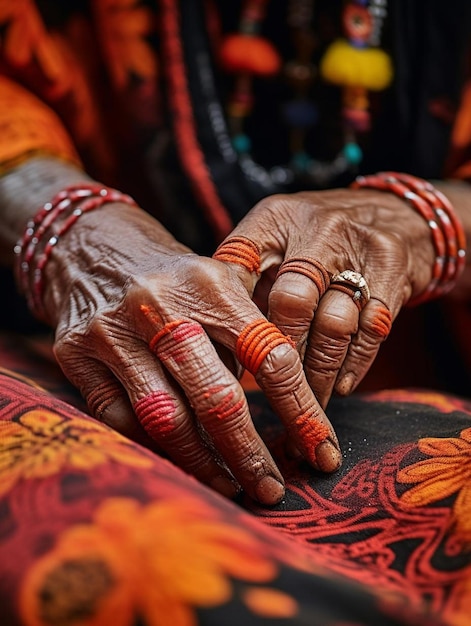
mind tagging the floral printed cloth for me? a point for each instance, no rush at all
(96, 530)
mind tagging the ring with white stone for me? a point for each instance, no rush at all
(353, 284)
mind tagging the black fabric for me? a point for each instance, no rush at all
(431, 41)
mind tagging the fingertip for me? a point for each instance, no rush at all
(328, 457)
(269, 491)
(345, 384)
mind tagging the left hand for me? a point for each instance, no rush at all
(373, 233)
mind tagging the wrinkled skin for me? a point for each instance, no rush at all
(374, 233)
(119, 260)
(98, 282)
(117, 263)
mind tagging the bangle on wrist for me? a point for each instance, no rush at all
(46, 228)
(446, 230)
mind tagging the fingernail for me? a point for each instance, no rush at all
(345, 384)
(328, 458)
(225, 486)
(269, 490)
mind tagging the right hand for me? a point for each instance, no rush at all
(376, 234)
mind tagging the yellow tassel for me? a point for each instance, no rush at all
(347, 66)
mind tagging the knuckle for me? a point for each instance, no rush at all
(362, 352)
(325, 359)
(275, 202)
(281, 367)
(207, 271)
(138, 288)
(69, 352)
(224, 407)
(290, 304)
(253, 464)
(363, 349)
(336, 325)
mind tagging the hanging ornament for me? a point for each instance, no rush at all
(355, 63)
(300, 113)
(247, 54)
(358, 66)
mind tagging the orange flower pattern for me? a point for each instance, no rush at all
(41, 443)
(158, 562)
(27, 40)
(123, 27)
(121, 542)
(446, 473)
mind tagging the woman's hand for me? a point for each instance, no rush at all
(146, 328)
(337, 326)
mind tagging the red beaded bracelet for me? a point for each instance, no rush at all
(81, 198)
(447, 217)
(445, 227)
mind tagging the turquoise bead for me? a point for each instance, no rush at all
(301, 161)
(241, 144)
(353, 153)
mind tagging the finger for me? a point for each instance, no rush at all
(374, 327)
(294, 297)
(335, 323)
(389, 289)
(272, 358)
(140, 401)
(243, 255)
(106, 399)
(162, 410)
(220, 405)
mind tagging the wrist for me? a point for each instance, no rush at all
(26, 188)
(46, 228)
(446, 229)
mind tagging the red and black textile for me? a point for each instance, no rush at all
(95, 529)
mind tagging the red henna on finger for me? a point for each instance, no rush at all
(167, 329)
(317, 439)
(167, 342)
(382, 322)
(226, 407)
(187, 330)
(256, 341)
(156, 413)
(241, 251)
